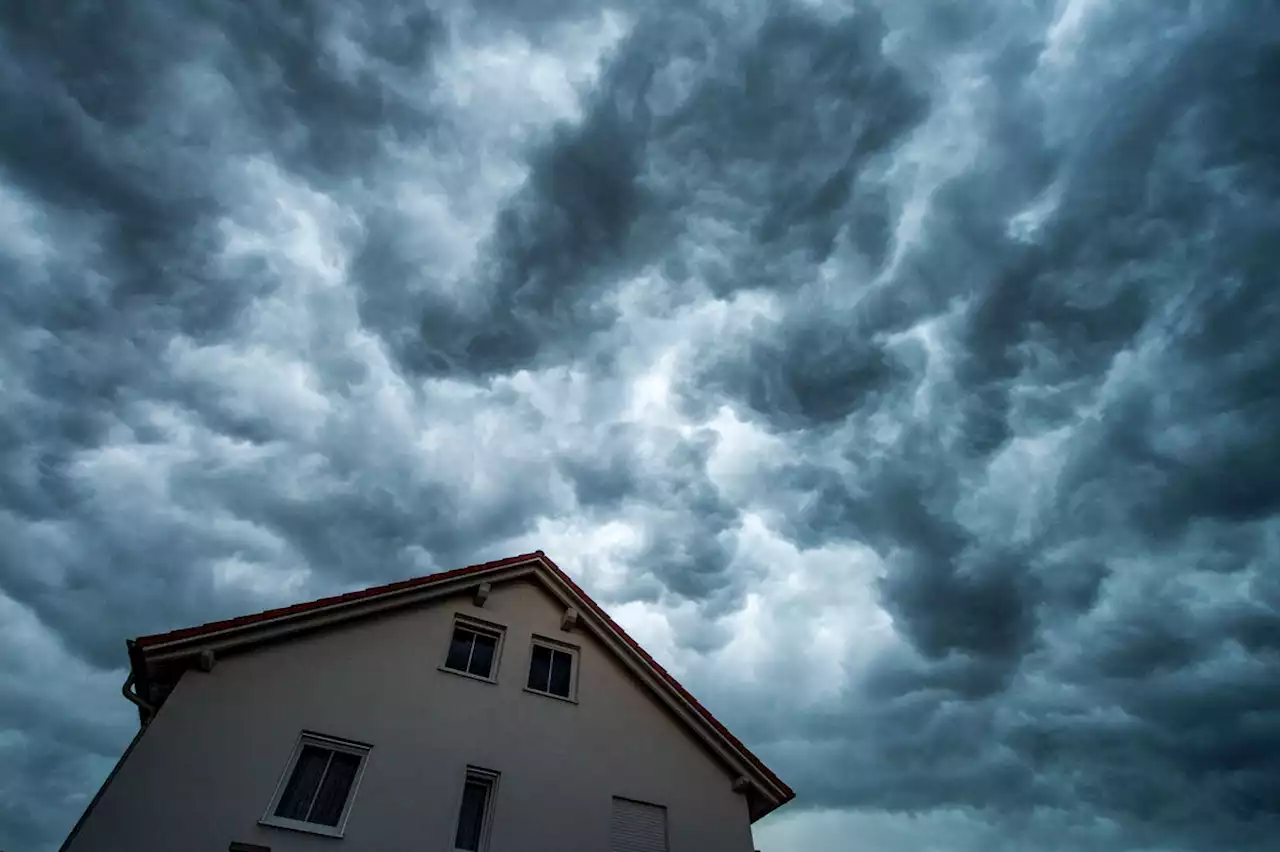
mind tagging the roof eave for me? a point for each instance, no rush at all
(714, 732)
(341, 609)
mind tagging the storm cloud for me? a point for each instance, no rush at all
(903, 375)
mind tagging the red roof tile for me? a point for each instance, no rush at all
(321, 603)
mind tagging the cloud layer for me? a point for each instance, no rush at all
(903, 374)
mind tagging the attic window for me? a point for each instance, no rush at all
(317, 788)
(552, 669)
(473, 649)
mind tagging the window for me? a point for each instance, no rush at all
(637, 827)
(318, 785)
(476, 811)
(551, 669)
(473, 650)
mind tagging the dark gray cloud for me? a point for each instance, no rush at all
(328, 87)
(689, 546)
(1126, 335)
(903, 376)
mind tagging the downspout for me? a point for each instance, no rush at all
(127, 690)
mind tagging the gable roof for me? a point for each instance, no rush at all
(185, 644)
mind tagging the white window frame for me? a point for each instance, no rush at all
(475, 625)
(574, 659)
(490, 779)
(306, 738)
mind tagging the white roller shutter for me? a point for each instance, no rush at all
(637, 827)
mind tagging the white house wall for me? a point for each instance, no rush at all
(205, 770)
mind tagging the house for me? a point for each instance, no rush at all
(495, 707)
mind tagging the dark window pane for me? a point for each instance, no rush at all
(471, 819)
(301, 789)
(334, 789)
(482, 656)
(459, 649)
(540, 667)
(561, 668)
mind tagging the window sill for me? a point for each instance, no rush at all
(551, 695)
(492, 680)
(302, 827)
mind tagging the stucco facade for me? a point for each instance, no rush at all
(204, 773)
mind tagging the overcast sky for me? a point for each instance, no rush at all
(902, 374)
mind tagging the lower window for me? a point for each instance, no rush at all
(637, 827)
(318, 786)
(475, 814)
